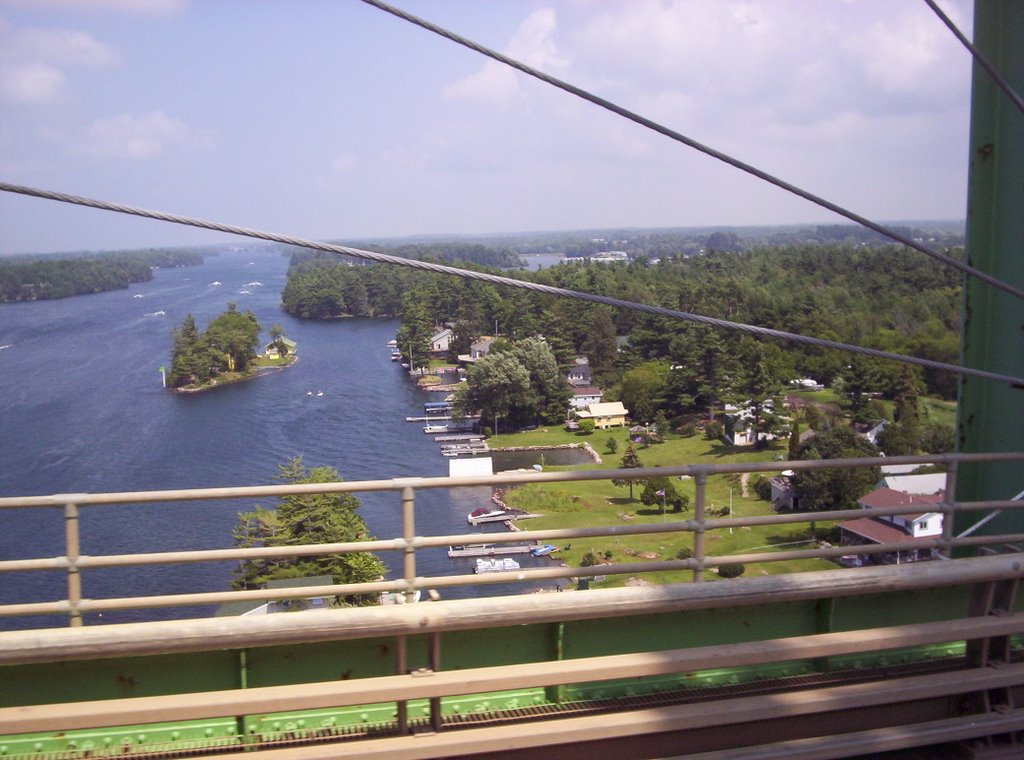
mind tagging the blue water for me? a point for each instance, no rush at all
(82, 410)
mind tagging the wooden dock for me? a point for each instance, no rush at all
(489, 550)
(465, 438)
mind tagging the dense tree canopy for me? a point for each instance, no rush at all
(39, 278)
(229, 344)
(306, 519)
(825, 489)
(518, 383)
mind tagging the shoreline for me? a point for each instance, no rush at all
(258, 372)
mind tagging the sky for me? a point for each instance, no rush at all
(332, 120)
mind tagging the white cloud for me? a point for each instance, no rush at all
(33, 61)
(30, 84)
(127, 136)
(59, 46)
(532, 44)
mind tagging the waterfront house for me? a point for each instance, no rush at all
(606, 415)
(441, 341)
(271, 350)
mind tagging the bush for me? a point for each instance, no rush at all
(763, 488)
(687, 430)
(586, 427)
(589, 559)
(486, 431)
(714, 431)
(611, 445)
(685, 553)
(731, 571)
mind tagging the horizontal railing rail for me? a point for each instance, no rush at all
(73, 562)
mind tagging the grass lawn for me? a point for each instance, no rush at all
(599, 503)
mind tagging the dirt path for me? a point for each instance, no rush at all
(744, 483)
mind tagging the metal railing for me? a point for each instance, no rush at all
(73, 562)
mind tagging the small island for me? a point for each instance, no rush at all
(227, 352)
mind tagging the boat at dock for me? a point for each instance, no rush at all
(503, 565)
(483, 514)
(543, 551)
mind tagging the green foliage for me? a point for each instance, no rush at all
(826, 489)
(630, 460)
(763, 488)
(306, 519)
(229, 344)
(519, 383)
(662, 492)
(731, 571)
(47, 277)
(685, 553)
(586, 426)
(589, 559)
(713, 431)
(611, 445)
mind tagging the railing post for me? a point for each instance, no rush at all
(409, 572)
(701, 481)
(409, 534)
(74, 575)
(949, 510)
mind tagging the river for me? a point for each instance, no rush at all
(82, 410)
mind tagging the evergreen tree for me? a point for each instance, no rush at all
(307, 519)
(630, 460)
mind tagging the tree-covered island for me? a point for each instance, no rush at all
(227, 352)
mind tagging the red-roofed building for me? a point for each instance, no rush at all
(918, 527)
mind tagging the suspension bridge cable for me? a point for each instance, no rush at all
(690, 142)
(978, 57)
(764, 332)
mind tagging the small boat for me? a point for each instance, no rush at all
(253, 284)
(435, 428)
(138, 295)
(156, 314)
(543, 551)
(215, 283)
(392, 344)
(245, 292)
(319, 393)
(502, 565)
(396, 355)
(483, 513)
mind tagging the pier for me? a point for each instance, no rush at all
(489, 550)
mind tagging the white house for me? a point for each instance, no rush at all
(584, 396)
(926, 485)
(477, 350)
(441, 341)
(892, 529)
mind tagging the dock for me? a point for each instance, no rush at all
(465, 438)
(458, 449)
(489, 550)
(504, 517)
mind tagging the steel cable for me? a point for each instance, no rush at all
(978, 57)
(764, 332)
(690, 142)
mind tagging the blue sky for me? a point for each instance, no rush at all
(329, 119)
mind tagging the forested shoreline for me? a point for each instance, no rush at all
(28, 278)
(883, 297)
